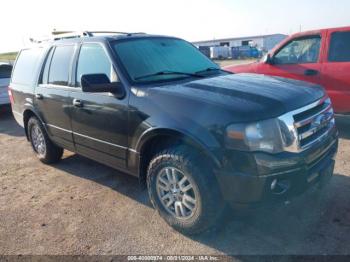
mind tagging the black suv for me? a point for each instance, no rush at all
(155, 107)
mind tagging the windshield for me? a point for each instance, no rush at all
(161, 59)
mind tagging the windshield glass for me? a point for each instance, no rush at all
(160, 59)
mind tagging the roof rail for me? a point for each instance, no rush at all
(92, 33)
(59, 35)
(70, 34)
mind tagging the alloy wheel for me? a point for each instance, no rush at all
(38, 140)
(176, 193)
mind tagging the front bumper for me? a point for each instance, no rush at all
(257, 178)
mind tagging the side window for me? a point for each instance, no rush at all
(94, 60)
(61, 65)
(5, 71)
(26, 66)
(339, 50)
(300, 51)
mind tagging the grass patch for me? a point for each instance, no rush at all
(8, 56)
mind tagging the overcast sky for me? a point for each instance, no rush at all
(189, 19)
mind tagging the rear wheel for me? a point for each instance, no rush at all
(45, 150)
(184, 190)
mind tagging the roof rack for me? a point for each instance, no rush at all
(69, 34)
(92, 33)
(59, 35)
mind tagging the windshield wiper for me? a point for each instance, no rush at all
(160, 73)
(209, 69)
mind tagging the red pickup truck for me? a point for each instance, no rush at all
(321, 56)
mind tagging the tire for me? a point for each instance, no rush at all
(45, 150)
(208, 206)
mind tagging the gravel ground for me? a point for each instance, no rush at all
(81, 207)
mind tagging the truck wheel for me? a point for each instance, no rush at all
(46, 151)
(184, 190)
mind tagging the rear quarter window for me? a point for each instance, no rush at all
(5, 71)
(26, 67)
(61, 65)
(340, 47)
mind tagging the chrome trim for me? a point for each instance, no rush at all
(318, 158)
(100, 141)
(297, 169)
(290, 127)
(60, 128)
(326, 133)
(52, 86)
(313, 130)
(309, 119)
(91, 138)
(133, 150)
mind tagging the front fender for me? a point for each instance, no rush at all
(199, 138)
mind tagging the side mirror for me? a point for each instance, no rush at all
(268, 59)
(100, 83)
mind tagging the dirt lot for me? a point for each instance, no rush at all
(81, 207)
(229, 62)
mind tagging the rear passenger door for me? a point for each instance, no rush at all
(52, 96)
(99, 120)
(336, 71)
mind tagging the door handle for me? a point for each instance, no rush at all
(310, 72)
(77, 103)
(39, 96)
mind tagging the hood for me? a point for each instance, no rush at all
(248, 97)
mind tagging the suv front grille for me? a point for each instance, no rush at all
(314, 123)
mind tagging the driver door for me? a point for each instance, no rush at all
(99, 120)
(298, 59)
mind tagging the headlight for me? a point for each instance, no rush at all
(267, 136)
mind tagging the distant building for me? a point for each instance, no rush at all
(263, 42)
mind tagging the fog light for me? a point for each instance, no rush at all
(279, 187)
(273, 184)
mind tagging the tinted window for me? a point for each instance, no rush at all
(144, 57)
(340, 47)
(61, 65)
(5, 71)
(300, 51)
(93, 60)
(47, 67)
(26, 66)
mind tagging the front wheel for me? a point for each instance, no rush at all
(45, 150)
(184, 191)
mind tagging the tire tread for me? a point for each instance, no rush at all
(201, 171)
(53, 152)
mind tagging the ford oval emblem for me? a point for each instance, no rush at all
(321, 120)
